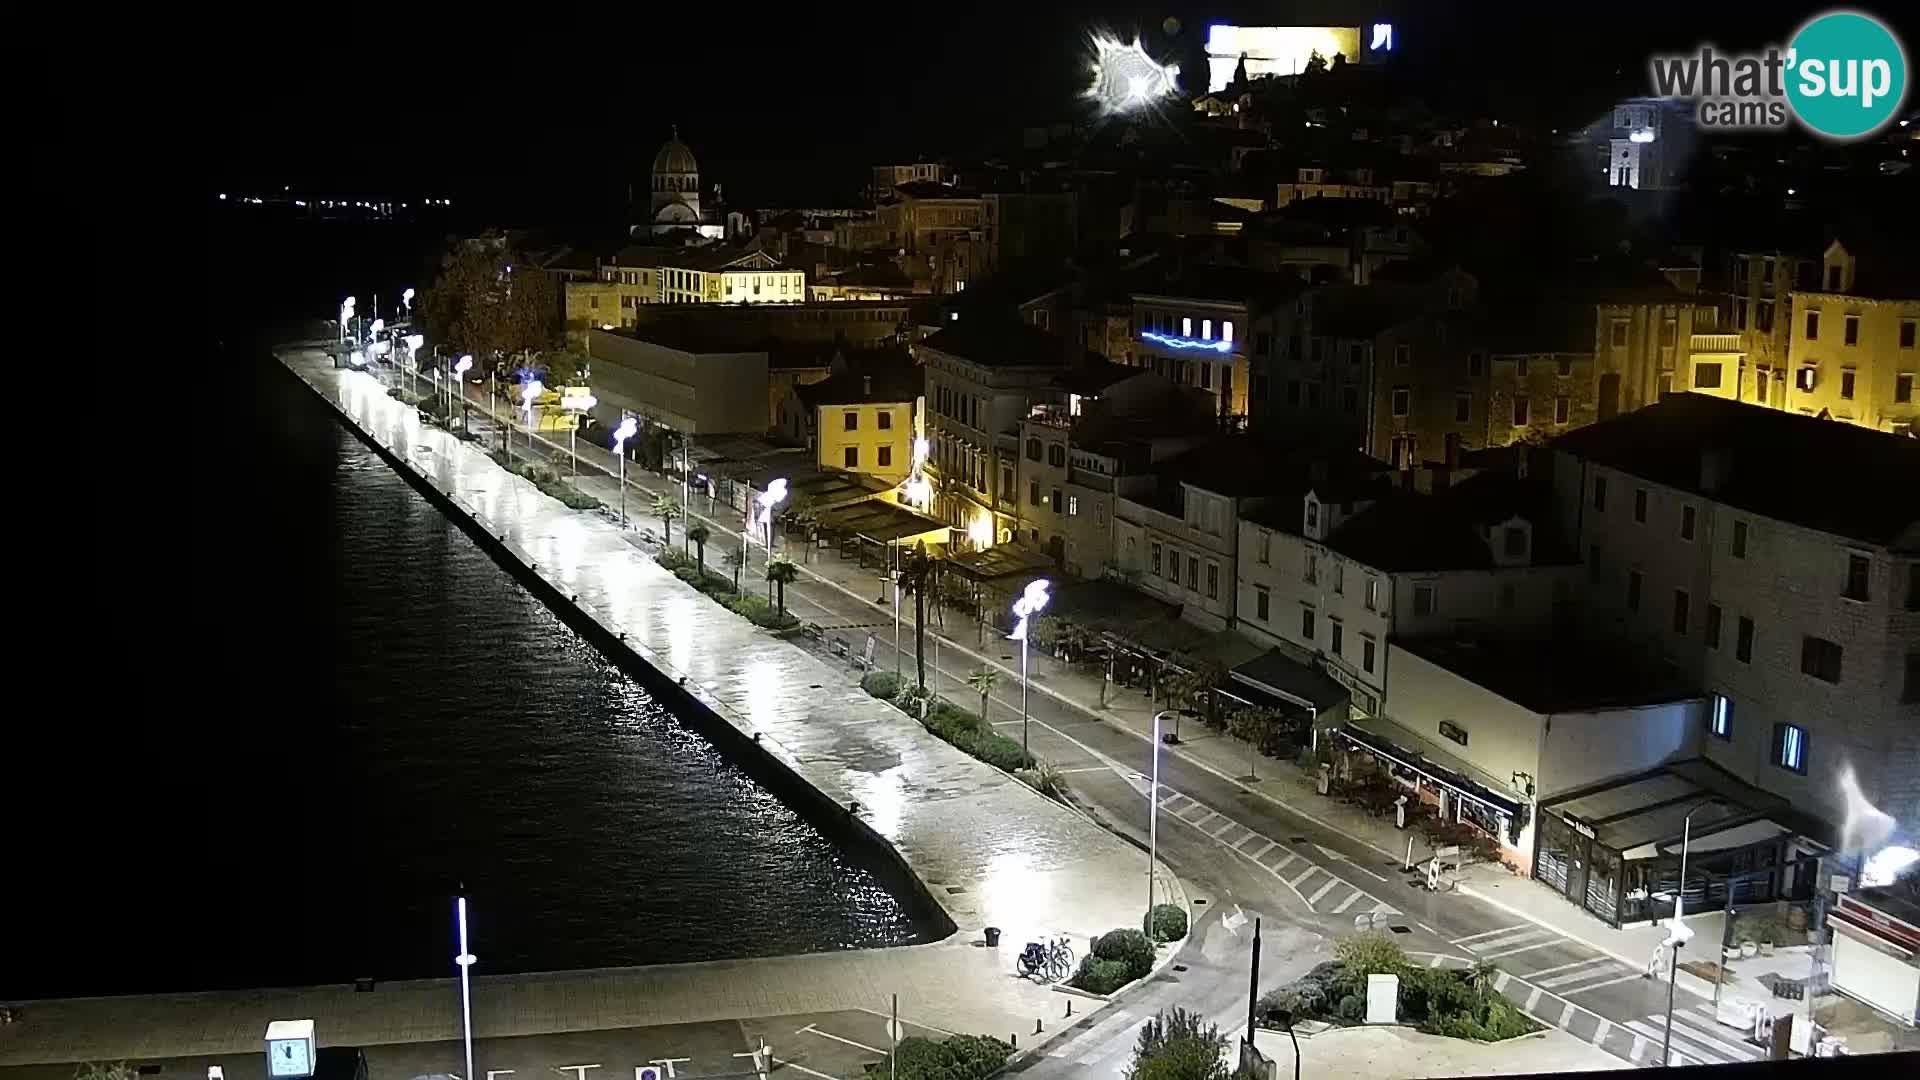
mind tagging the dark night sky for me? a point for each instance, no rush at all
(533, 118)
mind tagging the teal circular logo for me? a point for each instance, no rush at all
(1847, 75)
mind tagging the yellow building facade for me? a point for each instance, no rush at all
(874, 439)
(1854, 353)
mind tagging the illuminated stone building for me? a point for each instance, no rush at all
(1194, 330)
(674, 195)
(1853, 348)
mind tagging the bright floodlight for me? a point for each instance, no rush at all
(775, 494)
(460, 366)
(1885, 867)
(406, 300)
(378, 325)
(346, 309)
(414, 342)
(1644, 135)
(530, 390)
(1031, 603)
(624, 432)
(357, 357)
(1125, 78)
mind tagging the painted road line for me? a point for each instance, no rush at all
(1182, 815)
(1492, 944)
(1600, 1033)
(1384, 908)
(1534, 976)
(1322, 891)
(1348, 902)
(1628, 977)
(1501, 980)
(1436, 961)
(1224, 829)
(1533, 999)
(1284, 863)
(1493, 933)
(1520, 949)
(796, 1065)
(1681, 1045)
(1566, 1015)
(811, 1030)
(1640, 1048)
(1294, 883)
(1255, 856)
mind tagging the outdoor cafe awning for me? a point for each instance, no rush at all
(1276, 675)
(1424, 765)
(1001, 561)
(884, 523)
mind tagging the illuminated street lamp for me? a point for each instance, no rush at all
(775, 494)
(528, 393)
(1678, 934)
(414, 344)
(1031, 603)
(406, 301)
(346, 316)
(1153, 806)
(460, 379)
(577, 404)
(620, 436)
(465, 960)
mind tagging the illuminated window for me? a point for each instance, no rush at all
(1226, 330)
(1790, 748)
(1186, 327)
(1206, 329)
(1720, 721)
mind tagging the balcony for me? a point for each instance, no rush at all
(1713, 343)
(1058, 416)
(1086, 478)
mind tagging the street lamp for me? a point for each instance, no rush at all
(465, 961)
(406, 301)
(577, 404)
(620, 436)
(528, 392)
(1678, 935)
(1030, 604)
(775, 494)
(346, 316)
(460, 368)
(414, 344)
(1153, 811)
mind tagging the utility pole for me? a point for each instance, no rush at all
(1253, 981)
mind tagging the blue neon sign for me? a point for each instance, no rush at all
(1173, 342)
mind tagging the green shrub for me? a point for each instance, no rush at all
(760, 613)
(1352, 1007)
(672, 558)
(1097, 976)
(1130, 947)
(996, 750)
(1045, 779)
(1168, 922)
(960, 1057)
(1312, 996)
(950, 717)
(881, 684)
(975, 1056)
(1371, 953)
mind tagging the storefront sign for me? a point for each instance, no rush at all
(1582, 828)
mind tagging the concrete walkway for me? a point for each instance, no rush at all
(990, 850)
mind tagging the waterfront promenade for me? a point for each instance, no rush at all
(989, 850)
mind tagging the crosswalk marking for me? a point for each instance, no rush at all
(1255, 856)
(1533, 999)
(1534, 976)
(1348, 902)
(1491, 944)
(1501, 980)
(1600, 1033)
(1521, 949)
(1323, 890)
(1493, 933)
(1697, 1045)
(1640, 1048)
(1566, 1014)
(1604, 982)
(1711, 1039)
(1304, 875)
(1284, 863)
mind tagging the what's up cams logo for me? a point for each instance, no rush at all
(1843, 76)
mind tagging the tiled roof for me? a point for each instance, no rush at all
(874, 377)
(1820, 474)
(1003, 343)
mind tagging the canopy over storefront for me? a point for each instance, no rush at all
(884, 523)
(1275, 680)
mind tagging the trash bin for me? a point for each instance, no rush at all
(993, 935)
(1323, 779)
(1400, 812)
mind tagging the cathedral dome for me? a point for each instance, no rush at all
(675, 158)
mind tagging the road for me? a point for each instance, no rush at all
(1236, 847)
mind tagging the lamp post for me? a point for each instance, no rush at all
(460, 379)
(406, 301)
(1679, 934)
(775, 494)
(1153, 813)
(465, 960)
(1031, 602)
(373, 336)
(346, 316)
(529, 391)
(414, 344)
(620, 436)
(577, 404)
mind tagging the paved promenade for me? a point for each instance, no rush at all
(990, 850)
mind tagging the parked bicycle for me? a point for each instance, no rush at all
(1051, 961)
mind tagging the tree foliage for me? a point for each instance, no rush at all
(1178, 1045)
(490, 302)
(781, 571)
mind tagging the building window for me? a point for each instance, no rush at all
(1186, 327)
(886, 419)
(1262, 600)
(1073, 506)
(851, 455)
(1402, 401)
(1423, 600)
(1213, 581)
(1206, 329)
(1173, 565)
(852, 421)
(1910, 690)
(1476, 364)
(1857, 567)
(1462, 408)
(1903, 388)
(1263, 548)
(1593, 563)
(1366, 655)
(1739, 539)
(1306, 624)
(1686, 522)
(1193, 573)
(1310, 569)
(1226, 330)
(1033, 493)
(1619, 333)
(886, 457)
(1373, 594)
(1850, 330)
(1820, 658)
(1706, 376)
(1640, 505)
(1813, 326)
(1846, 385)
(1520, 366)
(1033, 449)
(1743, 640)
(1666, 385)
(1720, 719)
(1562, 409)
(1057, 502)
(1453, 732)
(1633, 590)
(1339, 577)
(1599, 493)
(1713, 626)
(1006, 483)
(1907, 332)
(1682, 608)
(1790, 748)
(1520, 411)
(1563, 366)
(1336, 636)
(1154, 564)
(1057, 455)
(1402, 355)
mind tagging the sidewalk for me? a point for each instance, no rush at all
(1280, 782)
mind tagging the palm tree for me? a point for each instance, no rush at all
(916, 572)
(983, 682)
(736, 559)
(666, 509)
(699, 534)
(781, 570)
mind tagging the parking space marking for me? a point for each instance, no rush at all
(1255, 856)
(811, 1030)
(1290, 859)
(796, 1065)
(1228, 827)
(1600, 1033)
